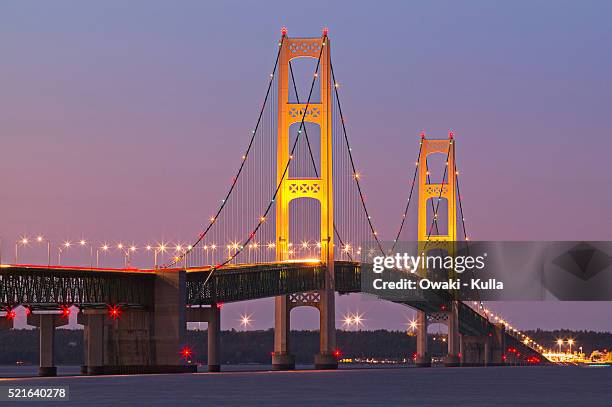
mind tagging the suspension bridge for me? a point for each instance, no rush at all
(293, 225)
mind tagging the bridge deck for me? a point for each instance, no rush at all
(41, 286)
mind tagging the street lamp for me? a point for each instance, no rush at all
(570, 342)
(104, 249)
(65, 246)
(560, 343)
(23, 242)
(41, 239)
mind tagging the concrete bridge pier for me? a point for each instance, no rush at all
(214, 339)
(46, 323)
(327, 357)
(498, 346)
(212, 316)
(423, 359)
(453, 340)
(93, 321)
(474, 350)
(282, 359)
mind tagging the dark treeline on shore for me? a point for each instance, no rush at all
(255, 346)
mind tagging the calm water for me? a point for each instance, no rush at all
(498, 386)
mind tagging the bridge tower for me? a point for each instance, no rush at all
(321, 189)
(428, 240)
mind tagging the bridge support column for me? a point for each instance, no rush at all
(498, 346)
(326, 359)
(452, 359)
(93, 337)
(46, 323)
(281, 358)
(423, 359)
(169, 321)
(214, 339)
(212, 316)
(487, 350)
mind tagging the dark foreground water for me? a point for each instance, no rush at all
(498, 386)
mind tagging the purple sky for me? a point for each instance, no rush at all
(125, 121)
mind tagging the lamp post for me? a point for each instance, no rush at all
(23, 242)
(41, 239)
(65, 246)
(104, 249)
(560, 343)
(570, 342)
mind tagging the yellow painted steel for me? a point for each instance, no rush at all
(318, 112)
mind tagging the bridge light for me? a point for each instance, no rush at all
(132, 249)
(114, 311)
(39, 239)
(338, 353)
(11, 314)
(65, 311)
(213, 246)
(284, 31)
(186, 352)
(148, 247)
(67, 244)
(105, 247)
(24, 241)
(120, 246)
(212, 218)
(82, 242)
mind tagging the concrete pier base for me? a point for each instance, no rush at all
(283, 361)
(452, 361)
(325, 361)
(423, 361)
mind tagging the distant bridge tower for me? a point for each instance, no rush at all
(428, 240)
(320, 189)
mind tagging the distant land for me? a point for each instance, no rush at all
(238, 347)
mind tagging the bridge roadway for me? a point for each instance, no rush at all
(40, 287)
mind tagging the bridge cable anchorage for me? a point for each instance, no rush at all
(212, 221)
(312, 159)
(285, 171)
(352, 161)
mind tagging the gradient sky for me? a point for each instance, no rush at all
(125, 120)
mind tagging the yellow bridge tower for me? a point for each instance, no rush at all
(432, 194)
(320, 189)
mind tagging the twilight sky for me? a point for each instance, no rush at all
(126, 120)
